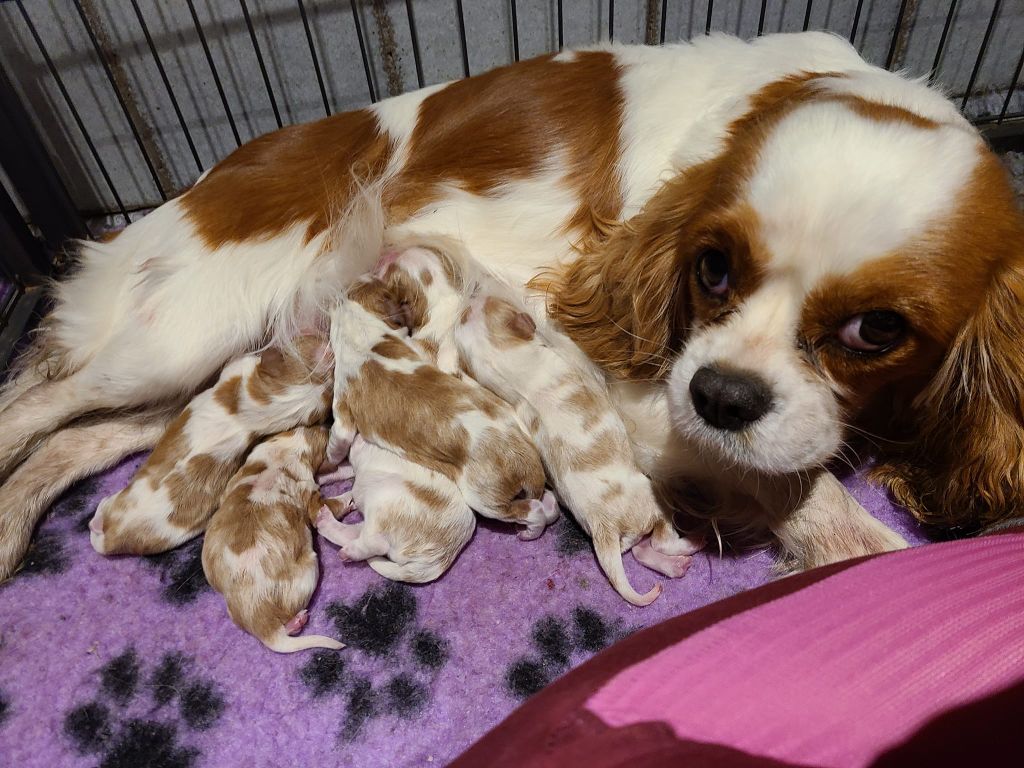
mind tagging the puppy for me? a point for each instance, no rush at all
(415, 521)
(385, 390)
(427, 280)
(258, 552)
(172, 496)
(584, 444)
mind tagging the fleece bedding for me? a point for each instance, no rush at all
(133, 662)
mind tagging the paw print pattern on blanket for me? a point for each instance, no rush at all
(554, 642)
(111, 727)
(181, 573)
(390, 663)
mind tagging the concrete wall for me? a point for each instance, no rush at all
(385, 23)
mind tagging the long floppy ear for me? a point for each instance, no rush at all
(967, 470)
(621, 299)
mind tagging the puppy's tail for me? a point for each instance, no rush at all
(63, 458)
(608, 549)
(282, 642)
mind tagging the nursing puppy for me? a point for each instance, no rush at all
(171, 498)
(427, 279)
(386, 391)
(258, 551)
(415, 521)
(584, 444)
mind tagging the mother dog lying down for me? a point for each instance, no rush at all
(769, 247)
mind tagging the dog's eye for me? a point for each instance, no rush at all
(874, 331)
(713, 271)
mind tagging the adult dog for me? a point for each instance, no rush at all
(768, 246)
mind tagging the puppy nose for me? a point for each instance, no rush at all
(729, 400)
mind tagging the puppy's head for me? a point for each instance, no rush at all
(851, 263)
(494, 337)
(423, 285)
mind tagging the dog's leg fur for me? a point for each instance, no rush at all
(44, 407)
(829, 525)
(63, 458)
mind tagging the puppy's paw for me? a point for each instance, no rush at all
(673, 566)
(297, 622)
(96, 537)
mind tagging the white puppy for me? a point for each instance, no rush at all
(415, 521)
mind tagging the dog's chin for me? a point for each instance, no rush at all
(778, 444)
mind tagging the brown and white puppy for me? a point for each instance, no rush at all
(172, 496)
(258, 551)
(580, 436)
(385, 390)
(415, 521)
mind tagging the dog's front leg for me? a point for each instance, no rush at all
(823, 524)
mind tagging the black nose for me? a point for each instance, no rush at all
(729, 400)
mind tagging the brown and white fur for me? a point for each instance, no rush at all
(581, 438)
(388, 392)
(832, 188)
(172, 496)
(258, 551)
(415, 521)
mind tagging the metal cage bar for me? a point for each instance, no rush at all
(167, 86)
(711, 12)
(417, 60)
(981, 54)
(362, 50)
(760, 17)
(259, 60)
(213, 71)
(891, 56)
(807, 15)
(74, 114)
(856, 21)
(1012, 87)
(942, 40)
(120, 99)
(515, 30)
(462, 37)
(561, 27)
(314, 57)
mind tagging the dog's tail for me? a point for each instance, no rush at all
(61, 459)
(608, 548)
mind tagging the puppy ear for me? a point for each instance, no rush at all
(521, 325)
(968, 464)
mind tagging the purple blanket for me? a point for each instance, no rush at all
(133, 662)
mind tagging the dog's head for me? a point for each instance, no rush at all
(852, 261)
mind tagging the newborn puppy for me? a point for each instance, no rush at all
(258, 552)
(415, 521)
(174, 493)
(427, 283)
(583, 441)
(385, 390)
